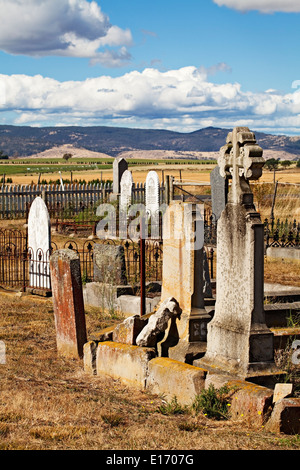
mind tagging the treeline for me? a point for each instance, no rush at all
(273, 163)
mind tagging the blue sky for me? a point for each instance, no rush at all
(151, 64)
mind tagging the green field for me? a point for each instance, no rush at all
(54, 165)
(29, 169)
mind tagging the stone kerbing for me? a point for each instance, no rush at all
(125, 362)
(173, 378)
(138, 367)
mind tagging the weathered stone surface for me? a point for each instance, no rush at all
(239, 342)
(124, 362)
(153, 201)
(89, 357)
(182, 262)
(250, 403)
(219, 190)
(282, 391)
(183, 278)
(158, 322)
(285, 417)
(39, 244)
(109, 264)
(173, 378)
(127, 331)
(68, 303)
(103, 335)
(126, 190)
(105, 296)
(282, 253)
(129, 305)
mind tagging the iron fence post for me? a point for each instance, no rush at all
(143, 267)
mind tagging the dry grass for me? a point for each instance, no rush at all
(282, 271)
(50, 403)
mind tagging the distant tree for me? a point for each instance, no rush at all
(286, 163)
(272, 165)
(298, 164)
(67, 156)
(2, 156)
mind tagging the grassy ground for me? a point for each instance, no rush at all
(47, 402)
(50, 403)
(285, 272)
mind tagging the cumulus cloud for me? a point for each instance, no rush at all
(183, 99)
(265, 6)
(76, 28)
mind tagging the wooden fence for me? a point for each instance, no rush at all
(15, 200)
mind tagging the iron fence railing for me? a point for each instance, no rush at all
(282, 233)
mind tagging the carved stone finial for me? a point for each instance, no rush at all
(242, 160)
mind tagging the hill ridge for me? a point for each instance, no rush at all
(25, 141)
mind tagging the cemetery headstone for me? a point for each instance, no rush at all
(120, 165)
(153, 202)
(39, 244)
(183, 279)
(239, 341)
(126, 189)
(109, 264)
(219, 190)
(68, 303)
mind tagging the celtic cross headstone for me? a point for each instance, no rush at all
(238, 340)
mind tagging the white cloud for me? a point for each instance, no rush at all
(265, 6)
(76, 28)
(182, 99)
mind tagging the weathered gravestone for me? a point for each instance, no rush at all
(109, 264)
(125, 203)
(68, 303)
(153, 202)
(219, 191)
(120, 165)
(126, 190)
(239, 341)
(183, 280)
(39, 244)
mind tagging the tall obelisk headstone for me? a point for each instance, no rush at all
(239, 341)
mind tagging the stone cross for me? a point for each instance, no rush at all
(238, 340)
(241, 159)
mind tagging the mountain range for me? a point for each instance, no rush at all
(22, 141)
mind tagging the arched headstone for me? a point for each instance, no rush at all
(39, 244)
(126, 190)
(152, 201)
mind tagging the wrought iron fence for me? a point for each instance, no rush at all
(282, 233)
(13, 253)
(22, 268)
(153, 258)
